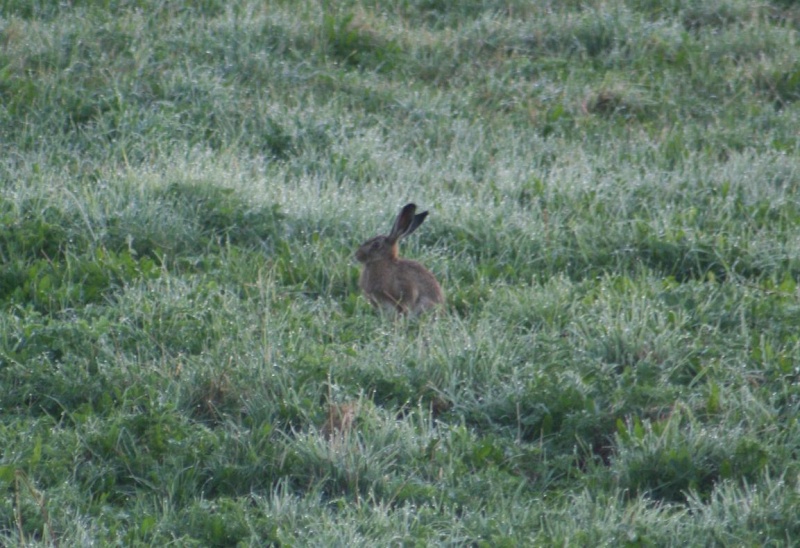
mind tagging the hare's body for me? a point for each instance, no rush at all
(392, 283)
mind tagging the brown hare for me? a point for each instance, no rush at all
(392, 283)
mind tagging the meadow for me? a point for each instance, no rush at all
(614, 197)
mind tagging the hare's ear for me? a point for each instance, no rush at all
(418, 218)
(405, 222)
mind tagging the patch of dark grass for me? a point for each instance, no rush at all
(619, 101)
(222, 216)
(781, 84)
(669, 459)
(440, 14)
(220, 522)
(697, 16)
(60, 284)
(353, 42)
(56, 367)
(34, 231)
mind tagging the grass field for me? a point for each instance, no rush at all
(614, 197)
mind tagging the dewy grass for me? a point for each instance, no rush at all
(184, 353)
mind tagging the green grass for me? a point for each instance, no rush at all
(184, 354)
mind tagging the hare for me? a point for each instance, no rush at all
(392, 283)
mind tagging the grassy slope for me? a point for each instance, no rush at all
(614, 216)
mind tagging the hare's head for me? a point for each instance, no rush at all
(384, 247)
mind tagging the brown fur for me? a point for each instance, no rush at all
(392, 283)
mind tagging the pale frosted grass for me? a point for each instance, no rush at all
(489, 182)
